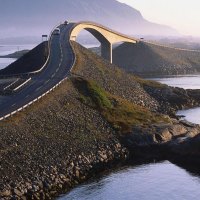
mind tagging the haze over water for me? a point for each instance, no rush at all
(9, 49)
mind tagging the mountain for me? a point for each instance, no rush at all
(28, 17)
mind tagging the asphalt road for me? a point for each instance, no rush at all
(60, 62)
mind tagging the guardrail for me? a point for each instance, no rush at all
(32, 102)
(129, 37)
(50, 90)
(58, 84)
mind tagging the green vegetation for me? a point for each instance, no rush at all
(150, 83)
(92, 94)
(98, 95)
(122, 114)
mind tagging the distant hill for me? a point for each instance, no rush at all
(16, 54)
(26, 17)
(149, 59)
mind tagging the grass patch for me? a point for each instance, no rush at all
(124, 115)
(150, 83)
(120, 113)
(92, 94)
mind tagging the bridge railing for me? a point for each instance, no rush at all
(33, 101)
(65, 78)
(54, 87)
(107, 29)
(132, 38)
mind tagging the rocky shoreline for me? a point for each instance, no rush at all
(166, 141)
(71, 135)
(78, 168)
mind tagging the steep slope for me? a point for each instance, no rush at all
(149, 59)
(31, 61)
(40, 16)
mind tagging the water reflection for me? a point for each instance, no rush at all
(156, 181)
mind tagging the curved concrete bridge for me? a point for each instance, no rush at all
(105, 36)
(59, 63)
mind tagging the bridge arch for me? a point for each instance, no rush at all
(105, 36)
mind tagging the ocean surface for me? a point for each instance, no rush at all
(8, 49)
(5, 62)
(186, 82)
(156, 181)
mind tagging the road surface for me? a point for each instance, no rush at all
(60, 62)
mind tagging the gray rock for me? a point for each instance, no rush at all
(177, 130)
(18, 192)
(5, 193)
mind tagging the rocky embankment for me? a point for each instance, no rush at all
(149, 59)
(178, 141)
(55, 145)
(171, 99)
(92, 122)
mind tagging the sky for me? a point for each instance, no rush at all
(183, 15)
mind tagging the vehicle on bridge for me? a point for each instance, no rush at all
(66, 22)
(56, 31)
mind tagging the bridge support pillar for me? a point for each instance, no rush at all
(106, 50)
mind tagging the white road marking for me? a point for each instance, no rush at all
(38, 88)
(14, 104)
(46, 82)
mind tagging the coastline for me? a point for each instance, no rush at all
(65, 139)
(79, 168)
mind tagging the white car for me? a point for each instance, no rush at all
(56, 31)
